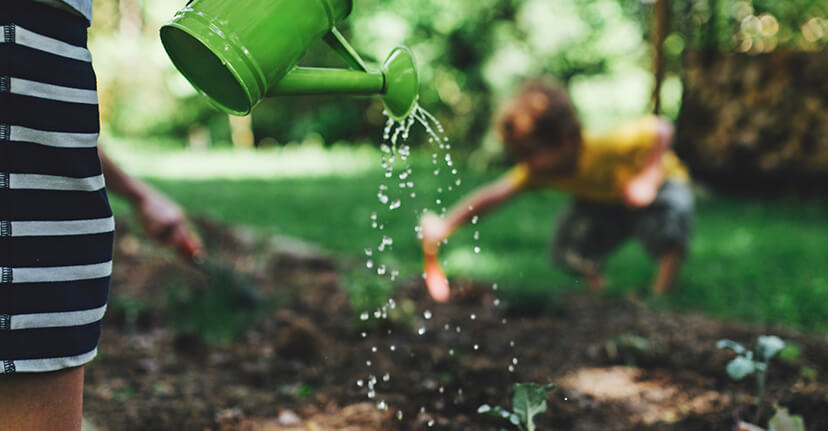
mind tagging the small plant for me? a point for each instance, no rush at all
(783, 421)
(755, 361)
(529, 400)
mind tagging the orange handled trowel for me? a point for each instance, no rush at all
(435, 279)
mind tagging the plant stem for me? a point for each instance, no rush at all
(760, 382)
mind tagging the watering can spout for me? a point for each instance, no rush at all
(396, 81)
(236, 54)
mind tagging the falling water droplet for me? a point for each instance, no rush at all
(427, 314)
(421, 331)
(364, 316)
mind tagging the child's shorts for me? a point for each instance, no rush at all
(587, 231)
(56, 227)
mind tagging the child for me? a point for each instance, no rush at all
(623, 182)
(56, 226)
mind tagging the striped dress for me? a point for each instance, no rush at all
(56, 227)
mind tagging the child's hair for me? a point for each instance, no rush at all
(540, 117)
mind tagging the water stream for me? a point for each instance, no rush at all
(397, 193)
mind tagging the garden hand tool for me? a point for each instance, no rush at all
(435, 278)
(220, 276)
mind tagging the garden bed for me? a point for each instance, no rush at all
(618, 364)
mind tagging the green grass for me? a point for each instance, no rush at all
(756, 261)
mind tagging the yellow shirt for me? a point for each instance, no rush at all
(606, 164)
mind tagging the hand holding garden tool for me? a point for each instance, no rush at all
(433, 230)
(166, 222)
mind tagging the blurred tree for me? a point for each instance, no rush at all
(471, 55)
(754, 107)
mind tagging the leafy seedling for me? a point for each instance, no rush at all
(528, 401)
(755, 361)
(783, 421)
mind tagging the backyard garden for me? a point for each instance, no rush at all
(309, 308)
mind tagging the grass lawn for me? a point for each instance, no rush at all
(757, 261)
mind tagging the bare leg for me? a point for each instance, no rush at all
(42, 401)
(668, 268)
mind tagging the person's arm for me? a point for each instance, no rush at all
(436, 229)
(162, 218)
(641, 190)
(485, 198)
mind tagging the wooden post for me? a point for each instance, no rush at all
(660, 29)
(241, 129)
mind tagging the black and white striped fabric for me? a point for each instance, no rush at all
(56, 227)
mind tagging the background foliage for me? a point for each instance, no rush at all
(471, 55)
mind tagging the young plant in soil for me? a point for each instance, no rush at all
(755, 361)
(529, 400)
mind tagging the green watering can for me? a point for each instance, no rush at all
(236, 52)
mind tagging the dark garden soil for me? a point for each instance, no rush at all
(618, 364)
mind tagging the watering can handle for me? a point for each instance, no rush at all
(337, 42)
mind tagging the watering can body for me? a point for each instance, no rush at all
(236, 52)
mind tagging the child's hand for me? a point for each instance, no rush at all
(434, 230)
(642, 189)
(164, 221)
(639, 193)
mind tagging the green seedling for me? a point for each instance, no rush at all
(528, 401)
(783, 421)
(755, 361)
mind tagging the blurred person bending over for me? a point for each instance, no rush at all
(623, 182)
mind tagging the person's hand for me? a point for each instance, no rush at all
(642, 189)
(165, 222)
(434, 230)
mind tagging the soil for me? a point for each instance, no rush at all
(306, 363)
